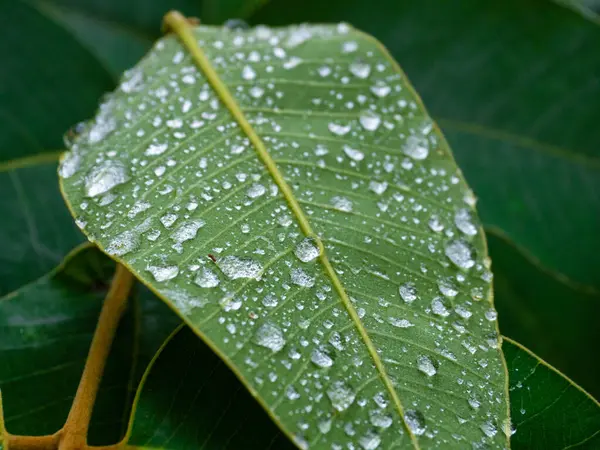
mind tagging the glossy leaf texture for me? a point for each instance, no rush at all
(46, 328)
(176, 409)
(552, 317)
(548, 410)
(291, 199)
(521, 124)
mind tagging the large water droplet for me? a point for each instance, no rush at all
(270, 336)
(206, 278)
(380, 419)
(489, 429)
(342, 203)
(464, 223)
(408, 292)
(339, 130)
(105, 176)
(399, 323)
(415, 421)
(307, 250)
(460, 254)
(256, 190)
(370, 441)
(163, 273)
(234, 267)
(341, 395)
(369, 120)
(447, 288)
(270, 300)
(435, 224)
(69, 164)
(248, 73)
(425, 365)
(353, 153)
(417, 147)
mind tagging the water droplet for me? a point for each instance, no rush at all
(380, 419)
(463, 312)
(187, 230)
(415, 421)
(234, 267)
(408, 292)
(474, 403)
(417, 147)
(489, 429)
(163, 273)
(491, 315)
(270, 300)
(236, 24)
(439, 307)
(380, 89)
(207, 278)
(256, 91)
(353, 153)
(69, 164)
(447, 289)
(360, 69)
(435, 224)
(168, 220)
(324, 71)
(460, 254)
(256, 190)
(156, 149)
(464, 223)
(300, 278)
(340, 395)
(379, 187)
(104, 177)
(370, 441)
(138, 207)
(339, 130)
(342, 203)
(369, 120)
(248, 73)
(399, 323)
(324, 426)
(321, 358)
(270, 336)
(123, 243)
(307, 250)
(425, 365)
(349, 47)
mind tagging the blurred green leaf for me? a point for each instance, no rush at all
(548, 411)
(201, 404)
(214, 207)
(45, 332)
(36, 230)
(48, 82)
(512, 85)
(552, 317)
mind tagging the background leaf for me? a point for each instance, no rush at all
(557, 320)
(548, 410)
(173, 181)
(45, 332)
(493, 74)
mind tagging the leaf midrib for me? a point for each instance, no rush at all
(179, 25)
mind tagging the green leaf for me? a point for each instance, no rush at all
(554, 318)
(45, 332)
(520, 121)
(548, 410)
(199, 405)
(47, 83)
(36, 230)
(297, 228)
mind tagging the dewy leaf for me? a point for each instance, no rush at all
(520, 122)
(288, 195)
(45, 333)
(36, 231)
(549, 411)
(556, 320)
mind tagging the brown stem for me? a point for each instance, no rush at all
(32, 442)
(74, 433)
